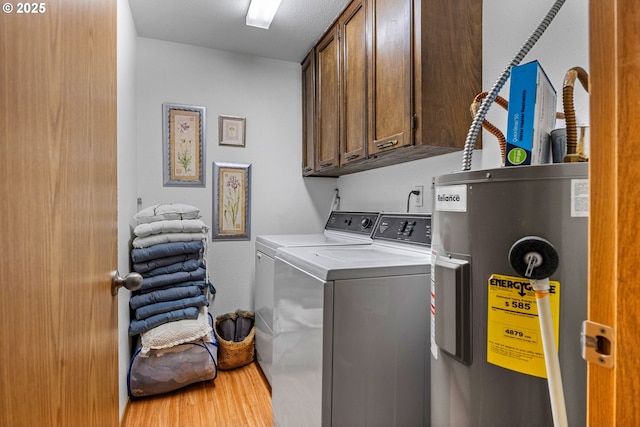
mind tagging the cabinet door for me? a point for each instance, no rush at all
(447, 71)
(390, 74)
(353, 87)
(327, 107)
(308, 114)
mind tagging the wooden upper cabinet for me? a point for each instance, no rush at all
(327, 105)
(308, 114)
(399, 74)
(448, 72)
(352, 31)
(390, 82)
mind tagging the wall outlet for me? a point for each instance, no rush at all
(418, 198)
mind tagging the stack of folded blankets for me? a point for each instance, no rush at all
(176, 346)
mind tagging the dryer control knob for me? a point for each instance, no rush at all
(365, 223)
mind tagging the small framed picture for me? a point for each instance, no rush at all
(231, 130)
(231, 201)
(183, 134)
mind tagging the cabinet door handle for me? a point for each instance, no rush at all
(352, 156)
(326, 164)
(387, 144)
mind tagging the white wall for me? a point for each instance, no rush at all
(387, 188)
(268, 94)
(127, 159)
(507, 24)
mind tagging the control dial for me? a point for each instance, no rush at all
(365, 223)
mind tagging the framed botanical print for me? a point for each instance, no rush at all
(231, 130)
(183, 129)
(231, 201)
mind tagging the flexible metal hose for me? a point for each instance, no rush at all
(490, 127)
(569, 109)
(476, 124)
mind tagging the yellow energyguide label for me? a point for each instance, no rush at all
(514, 340)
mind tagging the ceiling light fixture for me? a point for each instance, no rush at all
(261, 13)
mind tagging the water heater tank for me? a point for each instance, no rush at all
(487, 362)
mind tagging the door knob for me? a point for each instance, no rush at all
(132, 281)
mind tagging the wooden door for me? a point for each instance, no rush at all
(327, 108)
(614, 248)
(353, 83)
(390, 75)
(58, 225)
(308, 114)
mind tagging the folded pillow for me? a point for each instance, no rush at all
(166, 211)
(150, 310)
(203, 284)
(157, 239)
(170, 294)
(178, 332)
(163, 250)
(139, 326)
(153, 264)
(164, 280)
(189, 265)
(171, 226)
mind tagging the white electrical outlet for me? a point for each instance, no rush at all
(418, 198)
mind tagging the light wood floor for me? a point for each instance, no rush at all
(237, 398)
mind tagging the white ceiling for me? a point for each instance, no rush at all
(220, 24)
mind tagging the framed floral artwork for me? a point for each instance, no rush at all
(183, 135)
(231, 201)
(231, 130)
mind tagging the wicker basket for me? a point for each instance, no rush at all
(233, 354)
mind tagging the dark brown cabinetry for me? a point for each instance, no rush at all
(405, 72)
(448, 73)
(390, 81)
(327, 102)
(352, 28)
(308, 113)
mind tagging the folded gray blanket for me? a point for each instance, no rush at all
(139, 326)
(143, 267)
(147, 311)
(169, 294)
(165, 280)
(165, 250)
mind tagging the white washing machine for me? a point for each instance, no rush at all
(351, 330)
(342, 228)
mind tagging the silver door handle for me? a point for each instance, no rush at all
(132, 281)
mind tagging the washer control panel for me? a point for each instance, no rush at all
(353, 222)
(409, 228)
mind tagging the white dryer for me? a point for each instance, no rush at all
(341, 228)
(351, 330)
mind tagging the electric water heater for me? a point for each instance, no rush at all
(487, 360)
